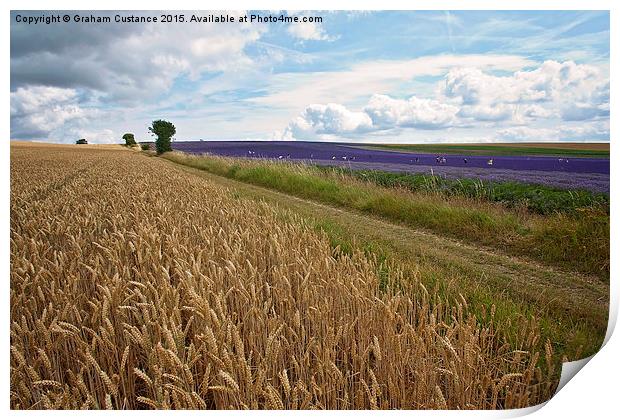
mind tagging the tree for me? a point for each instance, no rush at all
(129, 139)
(81, 141)
(164, 130)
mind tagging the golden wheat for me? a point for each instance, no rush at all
(134, 285)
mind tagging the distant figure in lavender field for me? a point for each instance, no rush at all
(465, 161)
(490, 162)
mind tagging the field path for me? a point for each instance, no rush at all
(566, 296)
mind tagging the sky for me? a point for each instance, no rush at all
(382, 77)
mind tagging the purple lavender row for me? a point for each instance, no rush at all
(340, 152)
(570, 173)
(564, 180)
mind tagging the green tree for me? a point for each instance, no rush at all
(129, 139)
(164, 130)
(81, 141)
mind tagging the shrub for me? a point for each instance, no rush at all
(81, 141)
(164, 130)
(145, 146)
(129, 139)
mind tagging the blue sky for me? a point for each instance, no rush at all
(358, 76)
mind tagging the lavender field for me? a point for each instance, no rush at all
(568, 173)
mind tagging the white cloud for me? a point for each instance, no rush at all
(330, 119)
(574, 91)
(381, 113)
(497, 112)
(33, 99)
(535, 111)
(296, 90)
(580, 111)
(414, 112)
(594, 131)
(127, 62)
(308, 31)
(43, 113)
(67, 77)
(527, 134)
(97, 136)
(598, 130)
(39, 110)
(517, 106)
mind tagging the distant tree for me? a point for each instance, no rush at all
(145, 146)
(81, 141)
(164, 130)
(129, 139)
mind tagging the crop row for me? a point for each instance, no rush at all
(134, 285)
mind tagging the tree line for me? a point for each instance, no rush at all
(163, 131)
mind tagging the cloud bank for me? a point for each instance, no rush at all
(355, 76)
(468, 96)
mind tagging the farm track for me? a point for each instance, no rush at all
(541, 286)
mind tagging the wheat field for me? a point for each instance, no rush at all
(137, 286)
